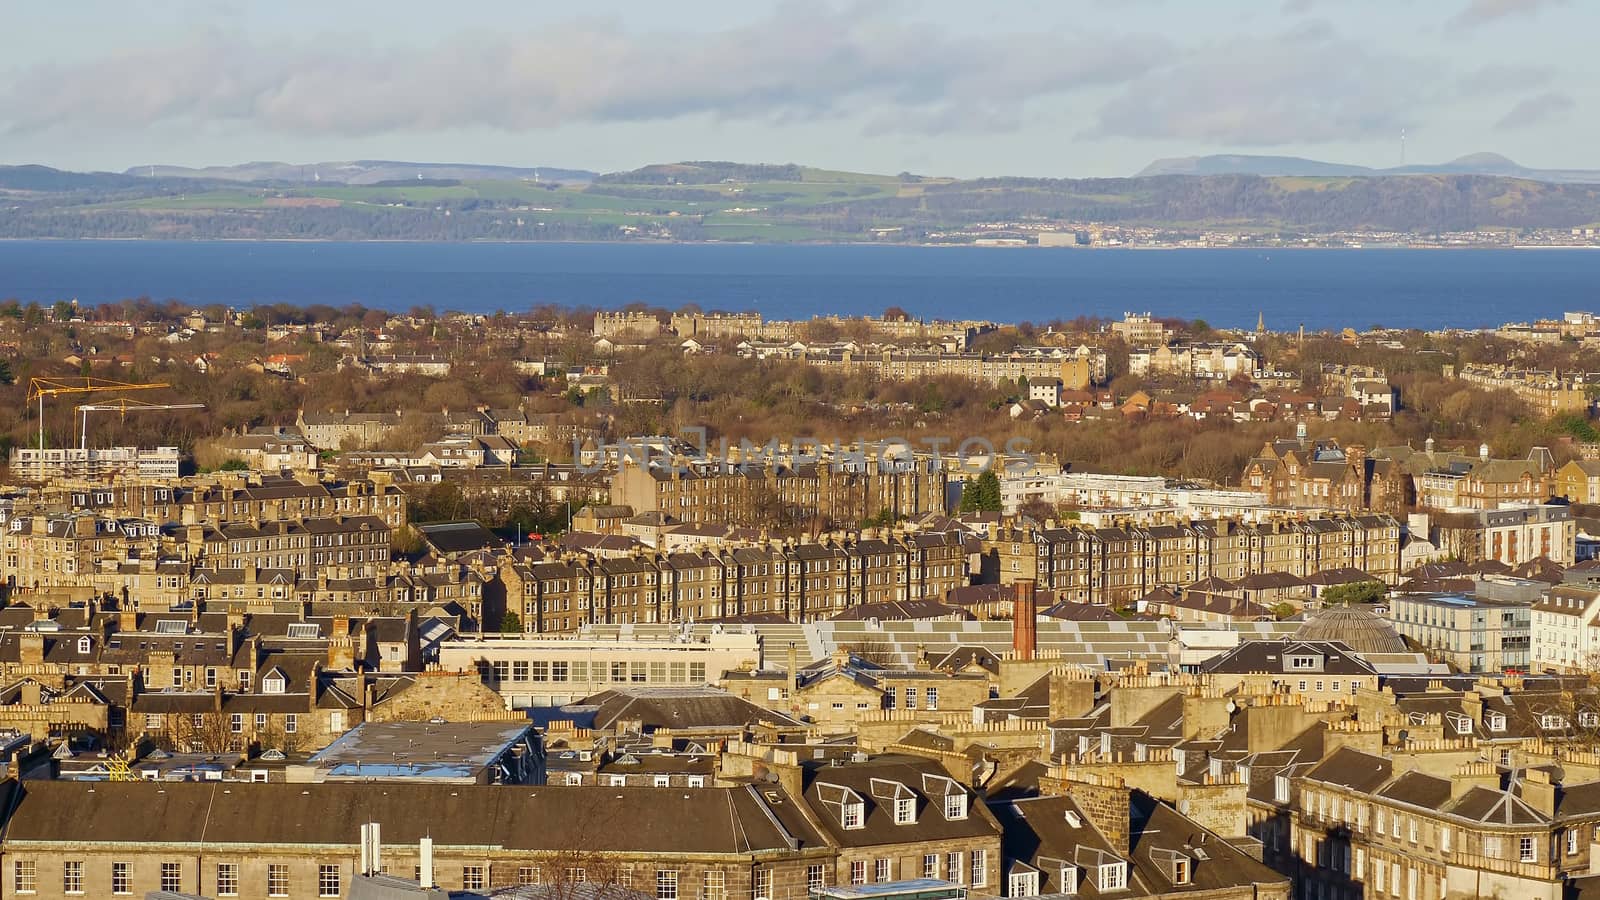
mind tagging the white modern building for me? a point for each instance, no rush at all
(547, 671)
(1564, 633)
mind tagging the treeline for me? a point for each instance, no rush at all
(344, 223)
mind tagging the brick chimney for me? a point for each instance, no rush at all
(1024, 620)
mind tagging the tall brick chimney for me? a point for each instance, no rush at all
(1024, 620)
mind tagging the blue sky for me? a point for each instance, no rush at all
(1050, 88)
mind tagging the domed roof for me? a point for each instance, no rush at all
(1358, 629)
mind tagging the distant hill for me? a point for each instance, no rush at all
(704, 173)
(728, 201)
(363, 172)
(1472, 164)
(44, 178)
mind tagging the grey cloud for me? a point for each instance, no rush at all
(1482, 12)
(1502, 78)
(1309, 85)
(803, 62)
(1536, 109)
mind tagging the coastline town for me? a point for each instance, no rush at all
(693, 606)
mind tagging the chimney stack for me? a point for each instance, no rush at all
(1024, 620)
(425, 858)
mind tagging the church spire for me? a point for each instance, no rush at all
(1261, 323)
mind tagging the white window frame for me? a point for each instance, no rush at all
(1112, 877)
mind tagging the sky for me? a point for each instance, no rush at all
(1049, 88)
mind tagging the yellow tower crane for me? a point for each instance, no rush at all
(40, 388)
(123, 406)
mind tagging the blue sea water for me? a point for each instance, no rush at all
(1321, 289)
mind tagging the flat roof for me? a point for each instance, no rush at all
(911, 887)
(426, 750)
(1459, 601)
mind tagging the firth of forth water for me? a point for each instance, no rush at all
(1321, 289)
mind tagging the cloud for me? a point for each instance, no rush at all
(803, 62)
(1309, 85)
(1497, 78)
(1483, 12)
(1536, 110)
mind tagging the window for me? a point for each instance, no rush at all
(236, 723)
(577, 876)
(1023, 884)
(933, 697)
(1525, 849)
(815, 878)
(980, 868)
(1572, 842)
(880, 871)
(171, 876)
(858, 872)
(666, 884)
(527, 875)
(328, 880)
(273, 683)
(905, 811)
(1394, 826)
(955, 806)
(227, 879)
(291, 723)
(930, 865)
(911, 698)
(714, 885)
(474, 878)
(121, 881)
(851, 815)
(763, 884)
(1113, 877)
(72, 876)
(953, 868)
(1180, 870)
(1069, 880)
(25, 876)
(277, 880)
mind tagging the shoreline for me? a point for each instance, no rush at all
(886, 244)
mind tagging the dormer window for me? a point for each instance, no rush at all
(1280, 788)
(1496, 721)
(1069, 880)
(1180, 869)
(274, 683)
(955, 806)
(1588, 719)
(85, 645)
(905, 811)
(852, 815)
(1112, 877)
(1552, 722)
